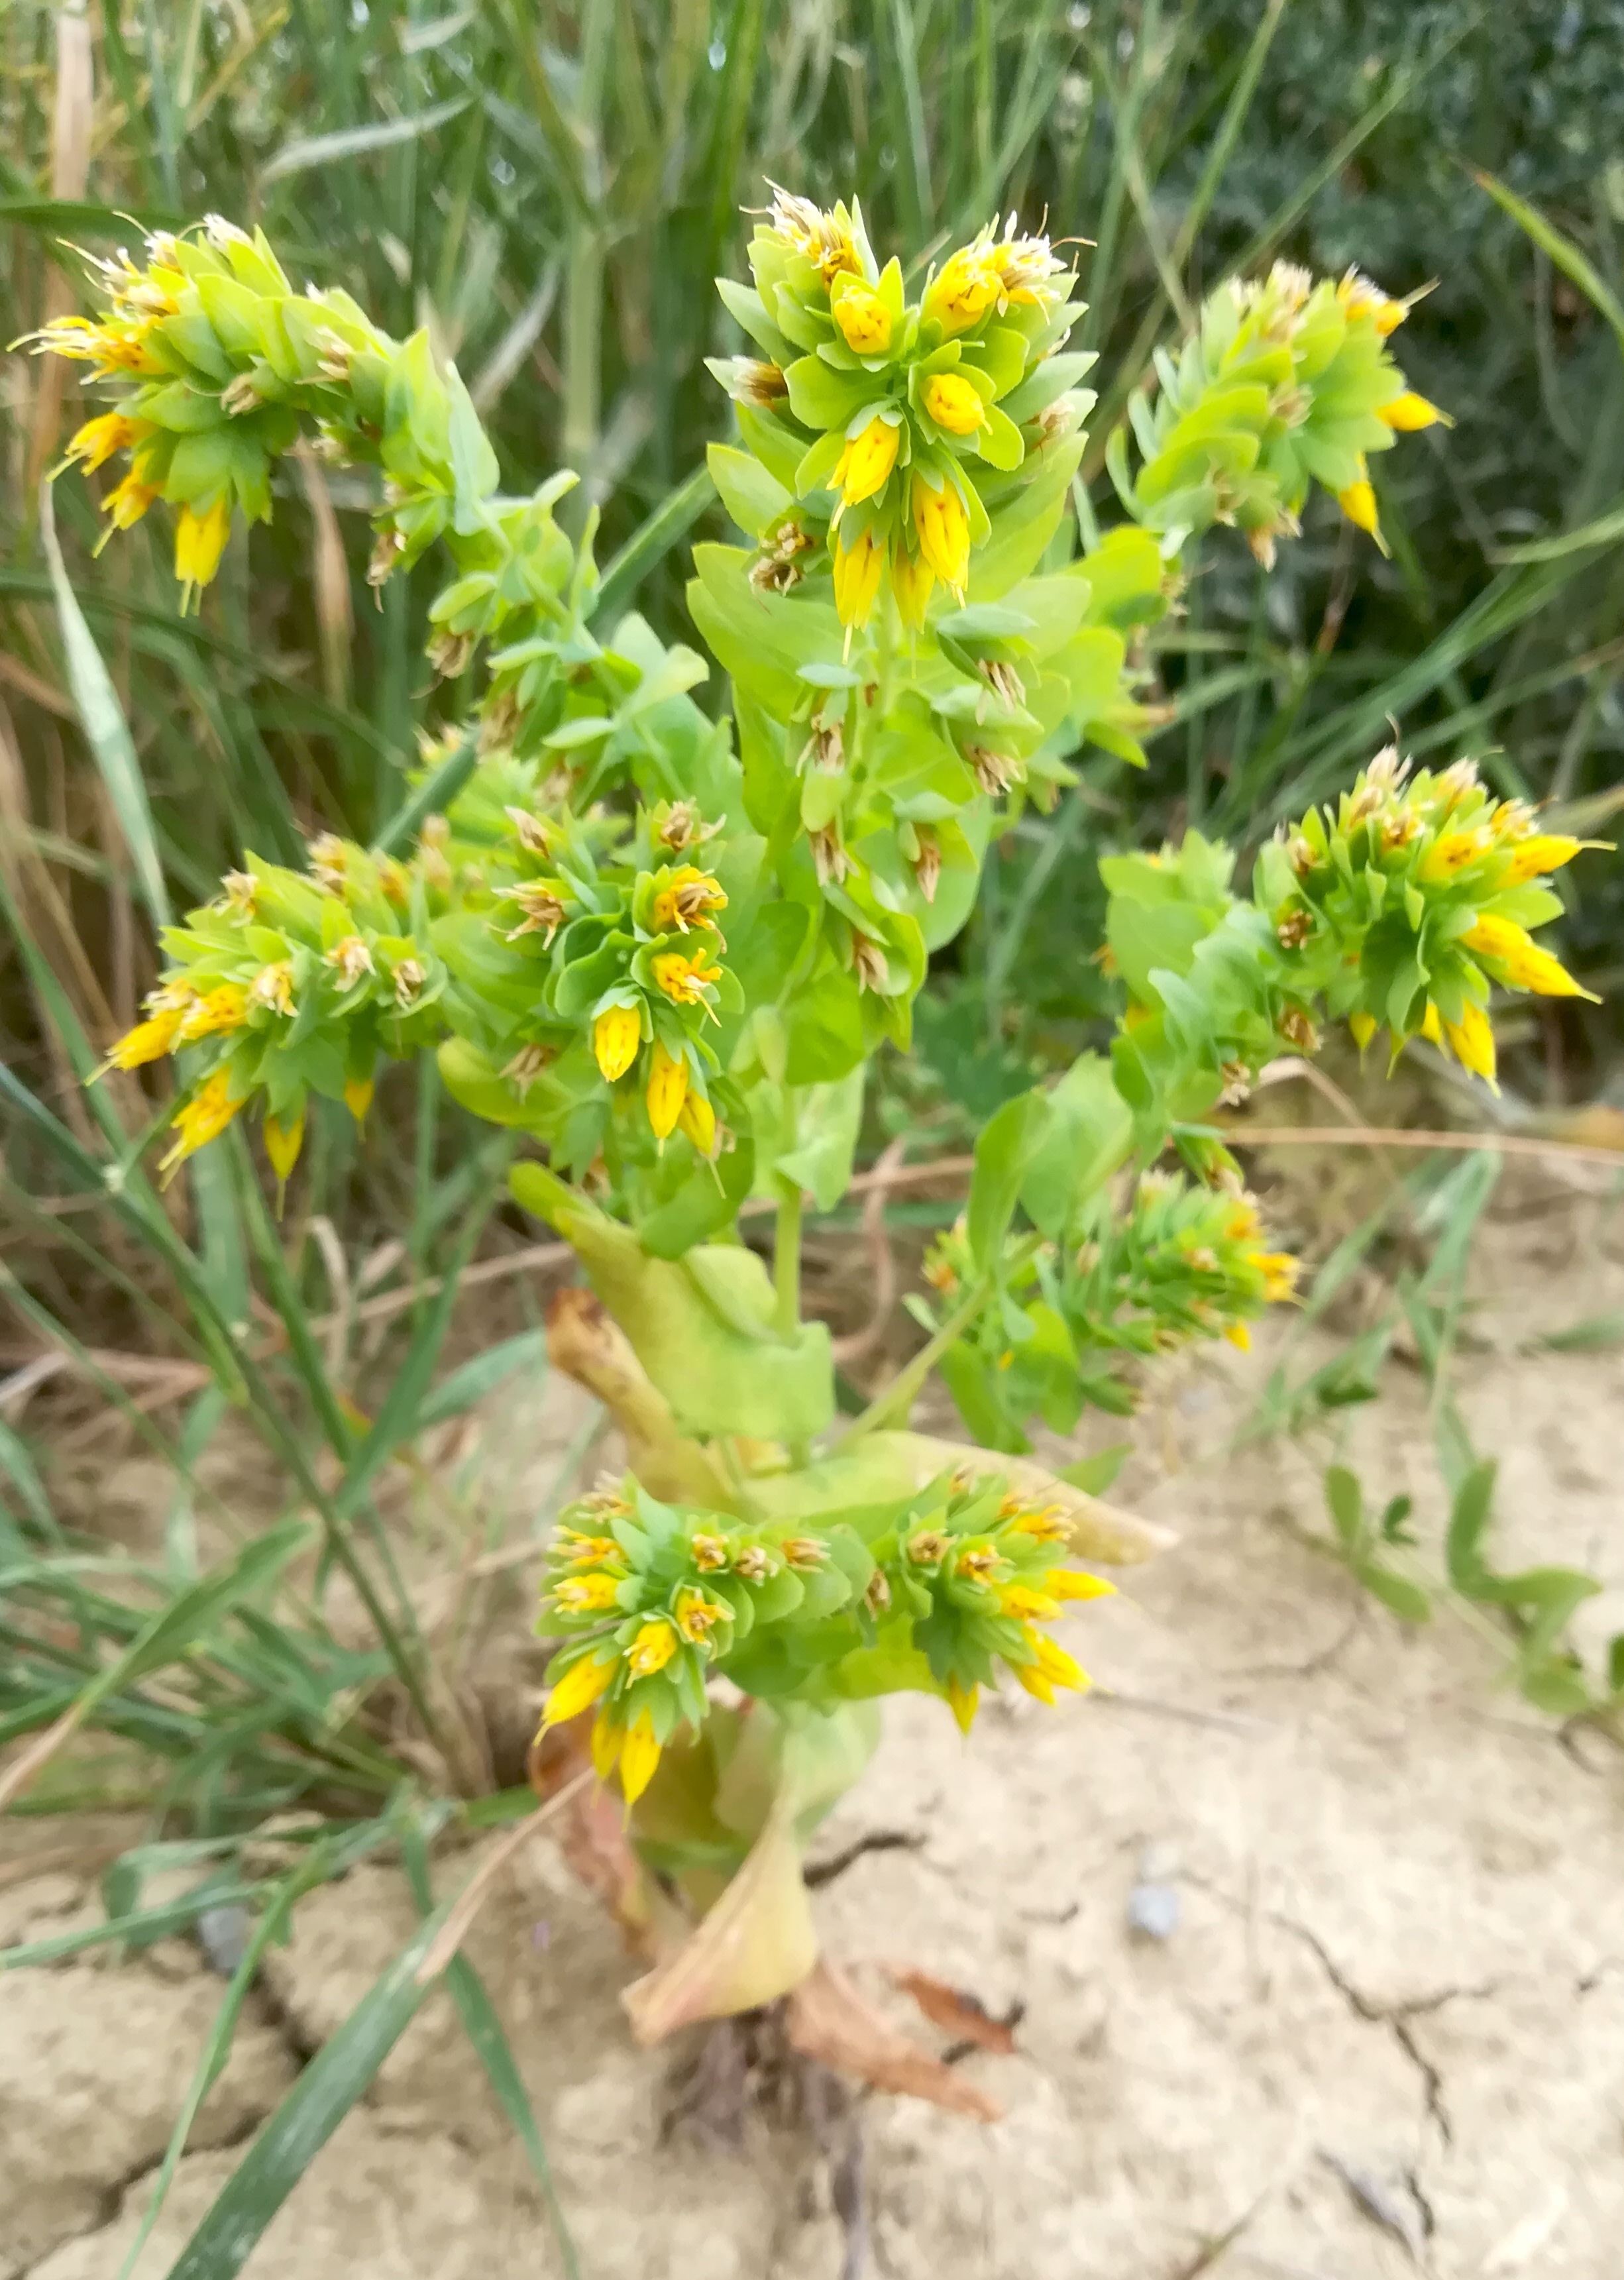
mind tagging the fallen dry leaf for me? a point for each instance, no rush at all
(956, 2011)
(829, 2021)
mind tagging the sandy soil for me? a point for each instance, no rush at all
(1385, 2033)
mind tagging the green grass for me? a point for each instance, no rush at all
(549, 190)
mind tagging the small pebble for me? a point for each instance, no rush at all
(1153, 1911)
(223, 1935)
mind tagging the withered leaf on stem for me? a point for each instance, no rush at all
(830, 2020)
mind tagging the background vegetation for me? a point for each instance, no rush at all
(549, 189)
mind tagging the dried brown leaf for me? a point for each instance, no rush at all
(829, 2021)
(956, 2011)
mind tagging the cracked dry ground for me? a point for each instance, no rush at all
(1396, 1985)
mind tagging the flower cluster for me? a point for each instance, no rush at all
(290, 983)
(1287, 381)
(1182, 1263)
(891, 417)
(651, 1599)
(1412, 898)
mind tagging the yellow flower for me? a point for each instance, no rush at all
(585, 1551)
(912, 580)
(1359, 297)
(967, 286)
(863, 467)
(359, 1092)
(667, 1090)
(1432, 1028)
(215, 1012)
(202, 1118)
(689, 901)
(639, 1756)
(586, 1595)
(699, 1617)
(685, 980)
(1049, 1526)
(113, 344)
(580, 1685)
(606, 1740)
(1472, 1042)
(1026, 269)
(826, 239)
(1359, 504)
(963, 1701)
(1028, 1605)
(953, 403)
(273, 987)
(698, 1119)
(282, 1144)
(147, 1041)
(1408, 412)
(98, 439)
(1364, 1028)
(1526, 966)
(1453, 853)
(863, 320)
(1280, 1271)
(652, 1648)
(944, 532)
(1077, 1583)
(616, 1034)
(857, 576)
(1050, 1667)
(1545, 851)
(1239, 1335)
(200, 541)
(128, 501)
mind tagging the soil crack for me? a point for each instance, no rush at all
(819, 1873)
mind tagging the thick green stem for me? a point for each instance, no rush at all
(787, 1259)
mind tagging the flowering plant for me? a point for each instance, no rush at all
(666, 958)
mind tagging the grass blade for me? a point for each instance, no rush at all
(340, 2074)
(1562, 250)
(651, 542)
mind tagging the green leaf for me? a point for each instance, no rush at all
(1095, 1474)
(1346, 1504)
(299, 156)
(752, 497)
(1002, 1155)
(1089, 1135)
(1463, 1558)
(481, 1376)
(336, 2078)
(1405, 1599)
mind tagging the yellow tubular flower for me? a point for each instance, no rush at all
(217, 1011)
(953, 403)
(652, 1648)
(1359, 504)
(1452, 853)
(200, 541)
(964, 1702)
(639, 1756)
(1077, 1583)
(98, 439)
(667, 1090)
(580, 1685)
(912, 580)
(1057, 1666)
(616, 1034)
(282, 1144)
(1028, 1605)
(699, 1617)
(1364, 1028)
(1408, 412)
(968, 286)
(863, 467)
(147, 1041)
(1527, 967)
(1280, 1271)
(202, 1118)
(1472, 1042)
(1359, 297)
(606, 1740)
(687, 901)
(1240, 1336)
(863, 320)
(586, 1595)
(944, 532)
(857, 576)
(1432, 1028)
(128, 501)
(684, 980)
(698, 1119)
(358, 1096)
(1545, 851)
